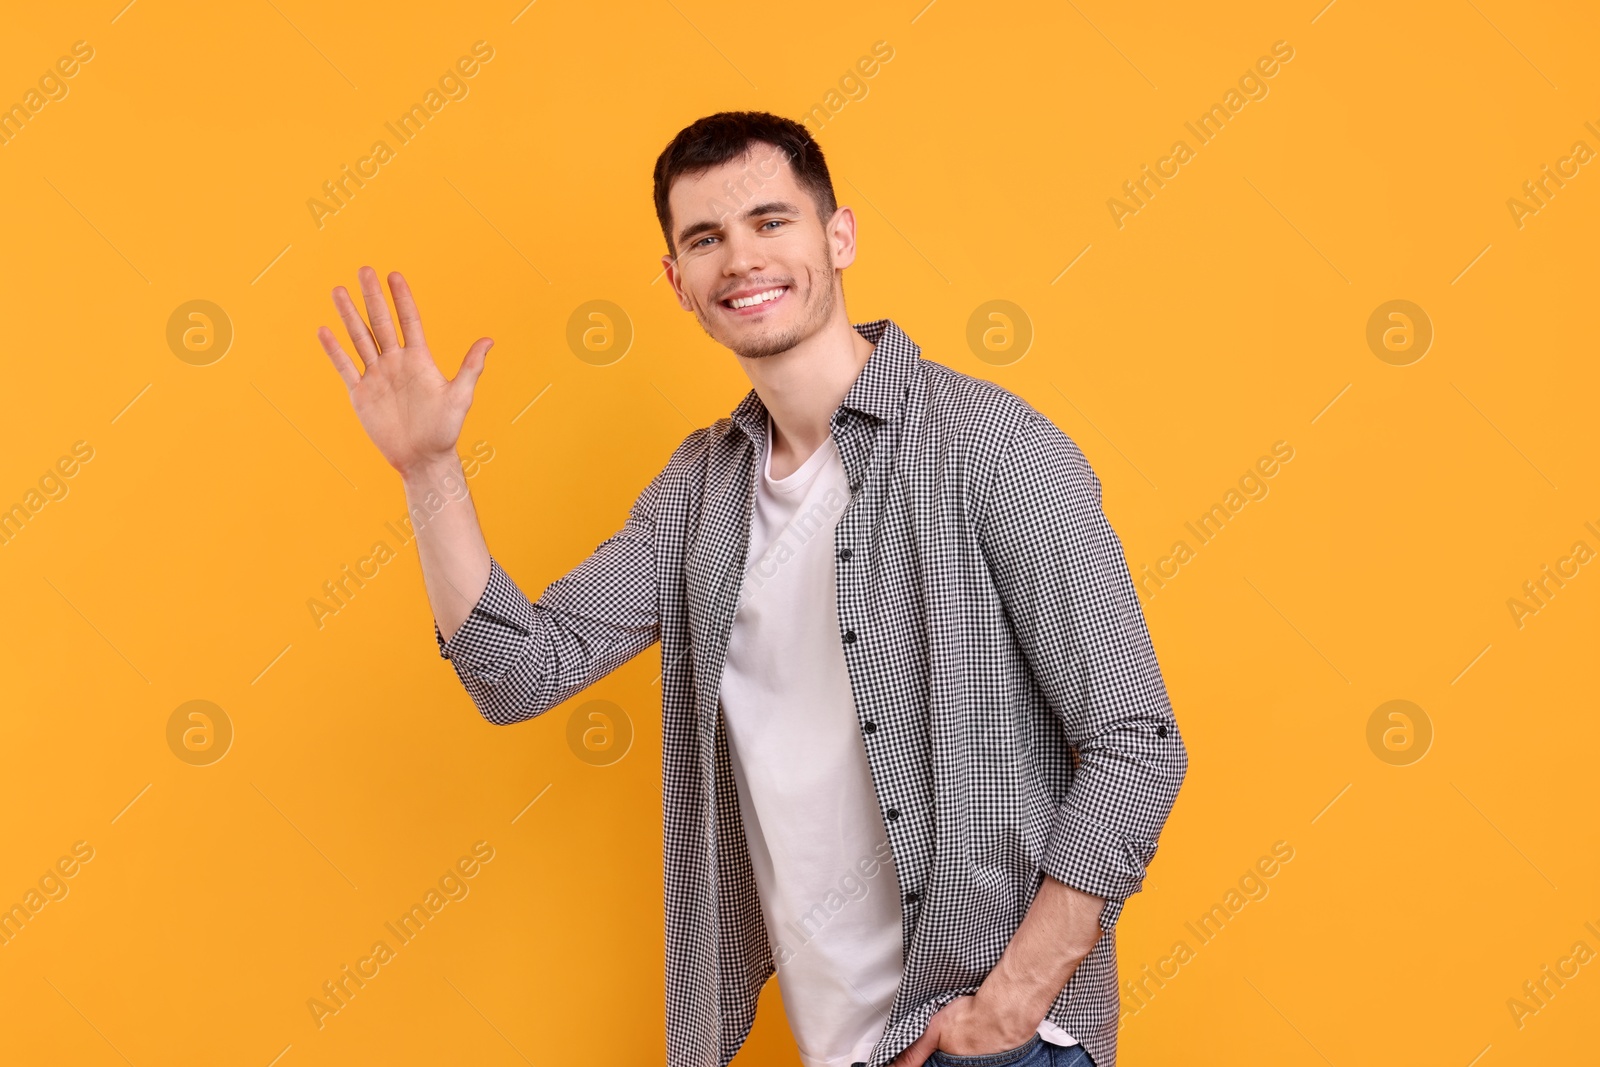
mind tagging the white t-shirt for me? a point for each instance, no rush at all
(820, 852)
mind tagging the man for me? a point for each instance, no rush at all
(917, 748)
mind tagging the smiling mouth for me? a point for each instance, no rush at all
(756, 301)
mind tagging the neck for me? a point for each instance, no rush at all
(803, 386)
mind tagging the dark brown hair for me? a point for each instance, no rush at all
(715, 139)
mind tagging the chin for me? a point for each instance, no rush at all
(757, 340)
(761, 347)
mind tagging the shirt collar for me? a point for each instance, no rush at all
(879, 391)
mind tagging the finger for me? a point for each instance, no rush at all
(341, 362)
(918, 1053)
(355, 326)
(377, 310)
(406, 308)
(472, 366)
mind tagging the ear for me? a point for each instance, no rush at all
(670, 265)
(841, 231)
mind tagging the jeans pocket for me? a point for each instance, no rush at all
(1073, 1056)
(1017, 1055)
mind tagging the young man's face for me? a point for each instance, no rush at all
(748, 229)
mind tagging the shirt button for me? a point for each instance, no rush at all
(855, 487)
(845, 553)
(1161, 731)
(849, 637)
(894, 813)
(911, 897)
(870, 727)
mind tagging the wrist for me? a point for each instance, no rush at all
(429, 471)
(1015, 1013)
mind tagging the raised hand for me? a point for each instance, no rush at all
(409, 409)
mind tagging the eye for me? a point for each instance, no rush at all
(700, 242)
(769, 222)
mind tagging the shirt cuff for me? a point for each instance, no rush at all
(495, 630)
(1095, 859)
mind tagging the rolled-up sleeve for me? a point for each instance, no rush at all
(518, 658)
(1061, 572)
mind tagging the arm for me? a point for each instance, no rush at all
(516, 658)
(519, 658)
(1061, 926)
(414, 415)
(1059, 568)
(450, 545)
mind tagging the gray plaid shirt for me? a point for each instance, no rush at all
(1010, 703)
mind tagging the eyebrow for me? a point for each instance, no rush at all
(771, 207)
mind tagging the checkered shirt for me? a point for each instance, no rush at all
(1009, 700)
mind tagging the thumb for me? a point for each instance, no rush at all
(918, 1052)
(472, 366)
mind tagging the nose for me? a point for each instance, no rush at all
(743, 253)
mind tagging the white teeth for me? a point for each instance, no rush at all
(759, 298)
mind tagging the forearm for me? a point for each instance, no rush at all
(1060, 928)
(449, 540)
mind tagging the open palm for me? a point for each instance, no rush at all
(409, 409)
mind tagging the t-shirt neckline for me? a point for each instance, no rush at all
(802, 475)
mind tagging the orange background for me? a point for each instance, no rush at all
(1228, 314)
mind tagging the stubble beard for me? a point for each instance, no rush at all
(773, 344)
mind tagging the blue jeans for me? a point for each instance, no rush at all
(1036, 1052)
